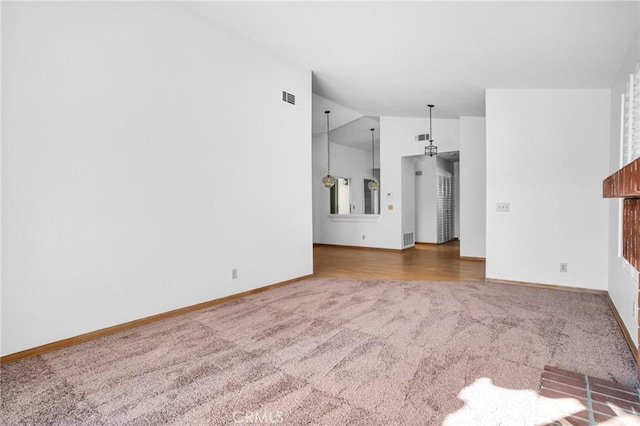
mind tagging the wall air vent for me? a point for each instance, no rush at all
(288, 97)
(422, 138)
(407, 240)
(418, 172)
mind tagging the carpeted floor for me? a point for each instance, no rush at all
(335, 352)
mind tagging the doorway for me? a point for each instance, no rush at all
(436, 198)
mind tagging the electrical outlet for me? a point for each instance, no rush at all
(363, 237)
(503, 207)
(563, 267)
(234, 274)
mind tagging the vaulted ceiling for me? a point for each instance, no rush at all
(394, 58)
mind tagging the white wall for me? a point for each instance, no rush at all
(426, 185)
(547, 153)
(623, 282)
(456, 195)
(397, 141)
(408, 205)
(346, 162)
(340, 115)
(142, 154)
(472, 186)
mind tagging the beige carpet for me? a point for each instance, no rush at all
(335, 352)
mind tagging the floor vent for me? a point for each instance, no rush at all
(288, 97)
(407, 239)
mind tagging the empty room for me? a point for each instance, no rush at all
(331, 213)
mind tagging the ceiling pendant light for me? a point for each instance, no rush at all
(373, 184)
(430, 149)
(328, 181)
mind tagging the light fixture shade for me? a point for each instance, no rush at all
(328, 181)
(373, 185)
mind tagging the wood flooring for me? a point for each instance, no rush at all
(424, 262)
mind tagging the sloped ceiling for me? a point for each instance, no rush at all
(393, 58)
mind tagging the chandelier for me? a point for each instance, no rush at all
(328, 181)
(430, 149)
(373, 184)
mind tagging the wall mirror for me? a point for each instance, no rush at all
(355, 152)
(340, 197)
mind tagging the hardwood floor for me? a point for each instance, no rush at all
(425, 262)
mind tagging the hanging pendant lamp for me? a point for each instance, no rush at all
(430, 149)
(373, 184)
(328, 181)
